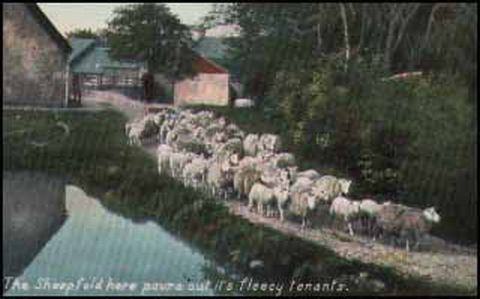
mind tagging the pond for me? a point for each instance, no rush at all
(96, 252)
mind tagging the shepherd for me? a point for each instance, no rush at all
(147, 81)
(76, 88)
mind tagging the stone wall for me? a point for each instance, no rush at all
(33, 63)
(208, 89)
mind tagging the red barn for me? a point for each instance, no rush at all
(209, 86)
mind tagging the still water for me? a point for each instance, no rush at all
(96, 252)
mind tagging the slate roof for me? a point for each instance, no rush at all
(79, 46)
(87, 57)
(211, 47)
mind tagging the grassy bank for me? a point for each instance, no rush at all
(95, 156)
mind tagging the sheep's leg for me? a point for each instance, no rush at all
(418, 237)
(213, 191)
(407, 246)
(250, 204)
(350, 230)
(373, 231)
(417, 245)
(280, 210)
(225, 195)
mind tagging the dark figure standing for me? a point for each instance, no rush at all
(76, 88)
(148, 81)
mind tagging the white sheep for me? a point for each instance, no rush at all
(244, 179)
(261, 196)
(283, 160)
(167, 125)
(407, 222)
(230, 147)
(177, 161)
(163, 153)
(139, 129)
(303, 203)
(233, 131)
(282, 195)
(250, 144)
(302, 183)
(311, 174)
(132, 131)
(219, 177)
(346, 209)
(369, 209)
(194, 173)
(328, 187)
(244, 103)
(269, 143)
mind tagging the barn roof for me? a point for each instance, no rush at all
(87, 57)
(80, 47)
(206, 66)
(211, 47)
(49, 27)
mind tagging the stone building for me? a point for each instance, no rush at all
(35, 58)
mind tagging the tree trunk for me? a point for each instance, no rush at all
(345, 34)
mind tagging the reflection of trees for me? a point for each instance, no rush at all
(33, 211)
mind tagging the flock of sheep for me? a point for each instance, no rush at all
(208, 153)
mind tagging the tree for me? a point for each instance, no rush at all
(151, 33)
(82, 33)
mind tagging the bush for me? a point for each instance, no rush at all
(411, 141)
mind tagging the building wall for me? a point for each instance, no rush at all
(208, 89)
(33, 64)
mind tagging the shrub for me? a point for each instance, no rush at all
(411, 141)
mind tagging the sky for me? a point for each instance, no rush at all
(70, 16)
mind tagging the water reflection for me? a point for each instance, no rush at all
(96, 247)
(33, 210)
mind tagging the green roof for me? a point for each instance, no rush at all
(79, 46)
(211, 47)
(89, 58)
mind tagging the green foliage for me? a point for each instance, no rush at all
(82, 33)
(411, 141)
(405, 36)
(150, 32)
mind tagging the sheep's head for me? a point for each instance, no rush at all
(345, 185)
(431, 215)
(284, 177)
(292, 173)
(235, 159)
(311, 201)
(355, 206)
